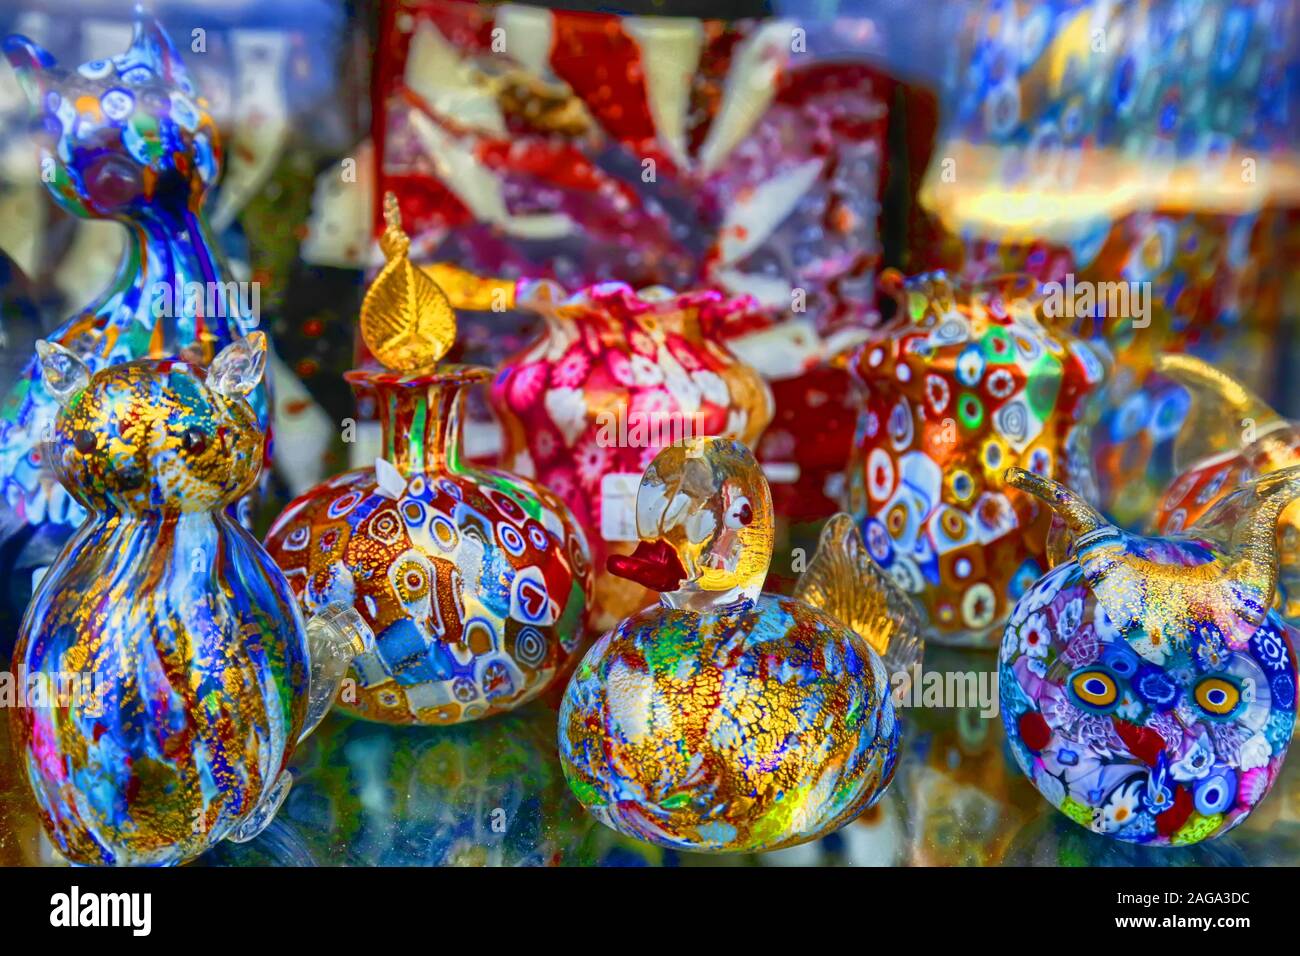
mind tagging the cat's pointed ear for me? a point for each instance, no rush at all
(64, 374)
(239, 366)
(34, 65)
(151, 44)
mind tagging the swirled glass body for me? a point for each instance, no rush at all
(764, 725)
(171, 656)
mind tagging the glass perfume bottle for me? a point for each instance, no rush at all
(169, 671)
(475, 583)
(1148, 687)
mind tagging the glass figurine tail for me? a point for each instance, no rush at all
(844, 580)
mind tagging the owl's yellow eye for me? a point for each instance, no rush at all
(1094, 689)
(1218, 696)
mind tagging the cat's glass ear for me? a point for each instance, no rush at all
(64, 374)
(151, 45)
(239, 366)
(34, 65)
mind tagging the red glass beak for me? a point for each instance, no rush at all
(654, 565)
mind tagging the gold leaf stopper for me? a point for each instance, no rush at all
(467, 290)
(407, 321)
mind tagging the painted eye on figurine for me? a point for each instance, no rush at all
(1218, 696)
(740, 514)
(84, 441)
(194, 441)
(1094, 689)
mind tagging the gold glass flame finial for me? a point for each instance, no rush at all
(407, 321)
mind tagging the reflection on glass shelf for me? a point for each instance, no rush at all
(492, 794)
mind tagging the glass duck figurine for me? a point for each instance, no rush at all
(170, 670)
(127, 139)
(475, 583)
(723, 718)
(1148, 687)
(1230, 437)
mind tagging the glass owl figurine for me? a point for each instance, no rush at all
(1230, 437)
(170, 671)
(475, 583)
(1148, 687)
(128, 139)
(723, 718)
(971, 378)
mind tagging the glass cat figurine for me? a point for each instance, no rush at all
(170, 671)
(474, 582)
(1148, 688)
(1230, 437)
(723, 718)
(128, 139)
